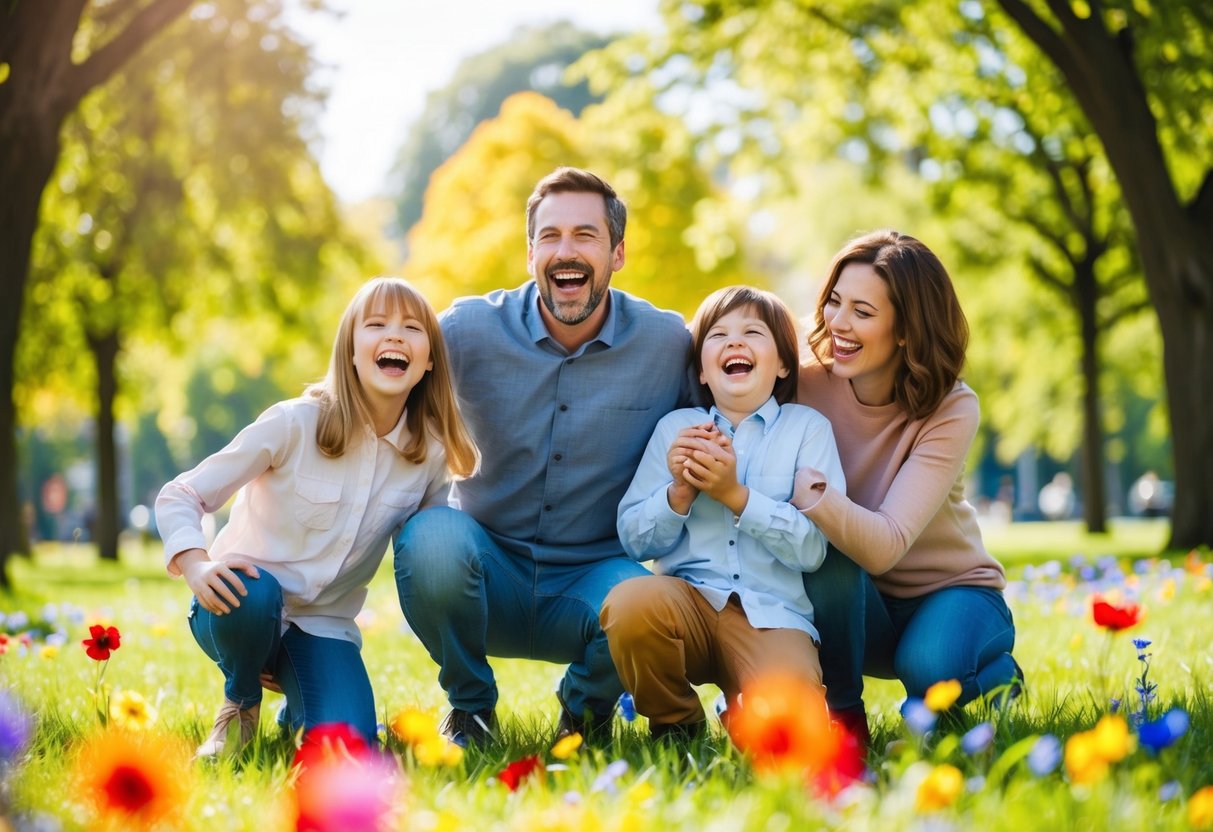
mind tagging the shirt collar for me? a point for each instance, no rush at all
(539, 331)
(396, 435)
(767, 414)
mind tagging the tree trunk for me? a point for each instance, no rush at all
(1094, 496)
(1172, 239)
(108, 524)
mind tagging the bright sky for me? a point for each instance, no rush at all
(384, 56)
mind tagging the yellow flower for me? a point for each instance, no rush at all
(49, 651)
(1112, 738)
(414, 726)
(131, 711)
(437, 751)
(1083, 761)
(641, 793)
(941, 695)
(1200, 809)
(566, 746)
(1167, 591)
(939, 789)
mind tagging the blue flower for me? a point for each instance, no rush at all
(978, 738)
(919, 718)
(627, 706)
(1045, 756)
(1164, 731)
(16, 726)
(1169, 791)
(1142, 643)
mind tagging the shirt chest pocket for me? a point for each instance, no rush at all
(316, 502)
(395, 506)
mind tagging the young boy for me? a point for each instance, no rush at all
(709, 505)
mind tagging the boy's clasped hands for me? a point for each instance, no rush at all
(701, 458)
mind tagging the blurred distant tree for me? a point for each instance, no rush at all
(872, 79)
(185, 184)
(531, 58)
(45, 71)
(680, 243)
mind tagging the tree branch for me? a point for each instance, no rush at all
(108, 59)
(1126, 311)
(1049, 279)
(1201, 206)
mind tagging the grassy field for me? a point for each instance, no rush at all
(1108, 780)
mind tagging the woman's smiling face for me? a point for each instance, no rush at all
(861, 320)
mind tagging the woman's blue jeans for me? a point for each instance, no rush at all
(960, 632)
(324, 679)
(466, 599)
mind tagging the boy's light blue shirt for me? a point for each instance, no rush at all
(760, 556)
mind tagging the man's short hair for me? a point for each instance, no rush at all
(576, 180)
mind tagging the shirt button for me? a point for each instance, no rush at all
(564, 407)
(558, 457)
(547, 508)
(732, 542)
(737, 577)
(570, 361)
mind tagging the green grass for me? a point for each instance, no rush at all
(1071, 667)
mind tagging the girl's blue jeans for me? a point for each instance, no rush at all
(324, 679)
(466, 599)
(961, 632)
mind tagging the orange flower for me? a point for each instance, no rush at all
(939, 789)
(133, 779)
(783, 725)
(1200, 809)
(1113, 617)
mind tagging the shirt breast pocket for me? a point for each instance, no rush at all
(395, 506)
(317, 502)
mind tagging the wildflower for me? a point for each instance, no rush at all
(942, 695)
(1045, 755)
(16, 726)
(519, 770)
(131, 711)
(3, 643)
(1163, 731)
(1112, 617)
(939, 789)
(919, 718)
(1141, 644)
(1089, 753)
(566, 746)
(133, 779)
(104, 641)
(437, 750)
(48, 651)
(978, 738)
(627, 707)
(322, 743)
(344, 785)
(413, 725)
(606, 782)
(1169, 791)
(1200, 809)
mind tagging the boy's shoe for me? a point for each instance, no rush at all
(465, 728)
(234, 727)
(597, 728)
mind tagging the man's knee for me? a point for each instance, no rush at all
(436, 551)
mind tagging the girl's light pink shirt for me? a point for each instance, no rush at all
(318, 524)
(904, 517)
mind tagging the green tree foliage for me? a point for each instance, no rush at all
(45, 70)
(185, 186)
(958, 93)
(681, 243)
(531, 58)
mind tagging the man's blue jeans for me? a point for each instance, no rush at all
(467, 599)
(961, 632)
(324, 679)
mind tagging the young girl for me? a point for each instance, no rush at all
(709, 504)
(326, 479)
(908, 590)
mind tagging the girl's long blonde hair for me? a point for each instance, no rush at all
(431, 407)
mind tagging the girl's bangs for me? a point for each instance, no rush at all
(396, 296)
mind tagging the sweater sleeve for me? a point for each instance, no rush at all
(878, 540)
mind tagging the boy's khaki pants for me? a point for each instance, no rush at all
(664, 637)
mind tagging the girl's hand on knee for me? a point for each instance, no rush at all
(214, 583)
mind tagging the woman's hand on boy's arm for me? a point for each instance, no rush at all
(807, 488)
(214, 583)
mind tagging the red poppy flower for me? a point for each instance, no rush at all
(1113, 617)
(519, 770)
(104, 641)
(329, 742)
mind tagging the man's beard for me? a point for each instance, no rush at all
(568, 314)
